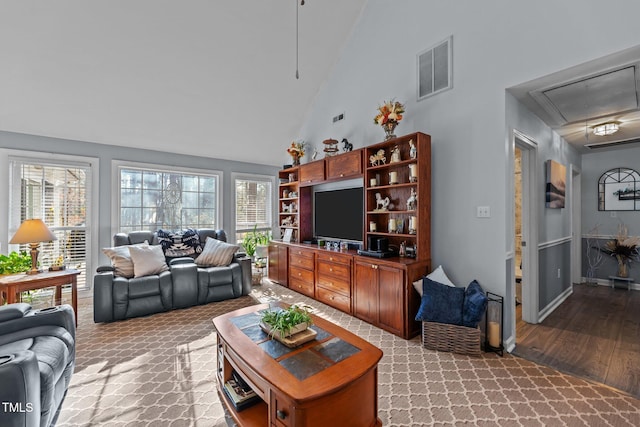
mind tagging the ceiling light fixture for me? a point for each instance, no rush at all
(605, 129)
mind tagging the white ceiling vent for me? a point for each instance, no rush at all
(435, 71)
(610, 144)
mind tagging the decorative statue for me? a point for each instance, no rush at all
(395, 155)
(382, 204)
(412, 201)
(413, 151)
(346, 145)
(378, 158)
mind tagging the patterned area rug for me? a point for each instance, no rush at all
(160, 370)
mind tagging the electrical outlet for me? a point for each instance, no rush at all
(558, 273)
(483, 212)
(614, 214)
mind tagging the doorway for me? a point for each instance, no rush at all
(525, 276)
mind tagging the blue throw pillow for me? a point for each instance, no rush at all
(475, 304)
(440, 303)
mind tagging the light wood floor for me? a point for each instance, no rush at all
(594, 334)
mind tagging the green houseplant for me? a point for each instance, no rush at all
(15, 262)
(286, 322)
(253, 239)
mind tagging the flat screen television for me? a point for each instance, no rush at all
(338, 214)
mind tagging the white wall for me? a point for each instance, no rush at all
(497, 44)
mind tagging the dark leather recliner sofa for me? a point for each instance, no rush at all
(184, 285)
(37, 358)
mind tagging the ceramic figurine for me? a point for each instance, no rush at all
(412, 201)
(413, 151)
(378, 158)
(395, 155)
(382, 204)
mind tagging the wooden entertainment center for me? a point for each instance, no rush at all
(376, 290)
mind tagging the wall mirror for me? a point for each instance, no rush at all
(619, 190)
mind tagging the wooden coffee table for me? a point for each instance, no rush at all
(14, 284)
(330, 381)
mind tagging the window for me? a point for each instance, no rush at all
(59, 194)
(253, 195)
(152, 199)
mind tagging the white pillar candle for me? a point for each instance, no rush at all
(372, 226)
(412, 223)
(494, 334)
(392, 225)
(393, 177)
(374, 182)
(413, 170)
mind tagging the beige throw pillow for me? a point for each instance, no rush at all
(216, 253)
(121, 259)
(148, 260)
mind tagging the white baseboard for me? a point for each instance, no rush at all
(607, 283)
(554, 304)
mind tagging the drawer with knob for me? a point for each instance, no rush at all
(334, 299)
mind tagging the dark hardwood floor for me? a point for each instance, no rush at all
(594, 334)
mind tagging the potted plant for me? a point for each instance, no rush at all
(15, 262)
(255, 239)
(624, 248)
(284, 323)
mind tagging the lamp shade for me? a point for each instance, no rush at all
(32, 231)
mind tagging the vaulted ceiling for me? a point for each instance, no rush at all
(194, 76)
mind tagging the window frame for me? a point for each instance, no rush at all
(118, 165)
(93, 164)
(253, 177)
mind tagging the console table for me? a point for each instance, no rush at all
(14, 284)
(332, 380)
(627, 280)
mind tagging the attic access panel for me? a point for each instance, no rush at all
(598, 96)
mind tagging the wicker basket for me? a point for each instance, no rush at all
(445, 337)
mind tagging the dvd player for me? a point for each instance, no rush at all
(378, 254)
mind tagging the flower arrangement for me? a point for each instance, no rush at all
(624, 248)
(389, 112)
(296, 151)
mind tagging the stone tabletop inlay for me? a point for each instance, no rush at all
(336, 350)
(327, 351)
(305, 364)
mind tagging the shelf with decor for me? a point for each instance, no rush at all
(292, 200)
(398, 193)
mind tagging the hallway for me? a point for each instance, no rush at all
(594, 334)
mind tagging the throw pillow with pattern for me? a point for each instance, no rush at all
(180, 243)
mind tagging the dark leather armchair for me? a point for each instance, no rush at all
(37, 357)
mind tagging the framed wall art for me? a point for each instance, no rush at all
(556, 184)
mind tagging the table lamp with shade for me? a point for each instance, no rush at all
(32, 232)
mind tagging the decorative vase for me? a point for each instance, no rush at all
(623, 269)
(389, 127)
(296, 161)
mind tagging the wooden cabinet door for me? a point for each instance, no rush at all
(283, 274)
(278, 258)
(312, 173)
(344, 165)
(390, 299)
(365, 303)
